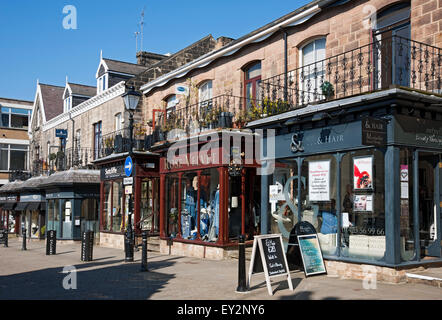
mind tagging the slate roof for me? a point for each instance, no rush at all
(82, 90)
(11, 187)
(73, 176)
(124, 67)
(33, 183)
(52, 97)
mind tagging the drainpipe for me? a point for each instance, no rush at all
(284, 33)
(73, 138)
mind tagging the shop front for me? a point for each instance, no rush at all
(13, 218)
(116, 191)
(206, 202)
(367, 177)
(72, 203)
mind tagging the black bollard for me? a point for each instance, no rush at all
(144, 253)
(6, 234)
(51, 242)
(128, 246)
(242, 285)
(24, 239)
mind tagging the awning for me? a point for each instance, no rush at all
(21, 206)
(9, 206)
(36, 206)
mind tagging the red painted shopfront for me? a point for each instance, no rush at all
(205, 200)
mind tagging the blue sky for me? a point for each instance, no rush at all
(34, 44)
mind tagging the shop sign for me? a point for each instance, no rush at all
(319, 180)
(12, 199)
(374, 132)
(311, 255)
(404, 182)
(269, 257)
(61, 133)
(116, 172)
(3, 199)
(418, 131)
(32, 198)
(363, 173)
(128, 181)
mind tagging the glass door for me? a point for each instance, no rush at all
(66, 219)
(429, 200)
(89, 217)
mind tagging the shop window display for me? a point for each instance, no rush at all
(363, 206)
(406, 218)
(107, 219)
(318, 199)
(283, 213)
(172, 198)
(189, 205)
(209, 205)
(117, 206)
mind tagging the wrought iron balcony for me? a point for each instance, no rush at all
(71, 158)
(224, 111)
(380, 65)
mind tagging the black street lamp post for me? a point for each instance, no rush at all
(131, 99)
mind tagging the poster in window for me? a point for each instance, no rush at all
(319, 180)
(363, 202)
(363, 173)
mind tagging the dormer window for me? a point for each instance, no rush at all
(102, 83)
(67, 104)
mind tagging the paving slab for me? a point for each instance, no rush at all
(33, 275)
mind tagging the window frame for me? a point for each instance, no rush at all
(254, 81)
(9, 149)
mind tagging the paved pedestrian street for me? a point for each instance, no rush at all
(33, 275)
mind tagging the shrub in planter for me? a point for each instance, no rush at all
(327, 89)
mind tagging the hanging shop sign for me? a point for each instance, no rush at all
(374, 132)
(269, 257)
(61, 133)
(319, 180)
(363, 173)
(311, 255)
(116, 172)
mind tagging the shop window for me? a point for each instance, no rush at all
(406, 218)
(209, 205)
(318, 199)
(107, 210)
(283, 213)
(172, 199)
(189, 205)
(51, 212)
(117, 206)
(89, 215)
(149, 205)
(363, 207)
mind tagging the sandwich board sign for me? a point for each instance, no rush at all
(268, 257)
(311, 255)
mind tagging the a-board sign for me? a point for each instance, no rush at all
(268, 257)
(311, 255)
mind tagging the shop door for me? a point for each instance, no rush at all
(149, 206)
(429, 198)
(66, 219)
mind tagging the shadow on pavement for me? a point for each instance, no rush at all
(122, 282)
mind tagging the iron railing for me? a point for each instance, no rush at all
(382, 64)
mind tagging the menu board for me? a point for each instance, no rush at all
(269, 257)
(311, 255)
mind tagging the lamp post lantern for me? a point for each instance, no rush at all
(131, 99)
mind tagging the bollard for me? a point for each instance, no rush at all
(128, 246)
(23, 247)
(51, 242)
(242, 286)
(6, 234)
(87, 246)
(144, 253)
